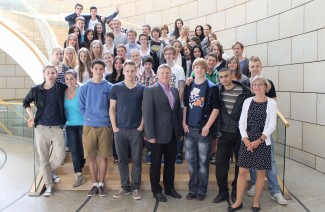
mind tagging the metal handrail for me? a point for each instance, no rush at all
(28, 43)
(283, 119)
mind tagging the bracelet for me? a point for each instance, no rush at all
(261, 139)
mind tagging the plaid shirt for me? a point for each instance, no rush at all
(146, 80)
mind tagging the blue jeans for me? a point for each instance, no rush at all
(270, 174)
(197, 150)
(74, 137)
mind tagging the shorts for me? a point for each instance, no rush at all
(97, 140)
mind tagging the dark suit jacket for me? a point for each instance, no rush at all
(159, 119)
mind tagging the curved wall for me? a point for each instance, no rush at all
(287, 35)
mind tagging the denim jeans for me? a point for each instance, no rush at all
(74, 137)
(134, 139)
(197, 150)
(270, 174)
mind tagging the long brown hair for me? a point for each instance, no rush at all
(82, 66)
(237, 71)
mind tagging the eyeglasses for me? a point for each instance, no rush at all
(258, 85)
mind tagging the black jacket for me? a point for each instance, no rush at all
(36, 95)
(229, 122)
(211, 101)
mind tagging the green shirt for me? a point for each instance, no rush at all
(214, 77)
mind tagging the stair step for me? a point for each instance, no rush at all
(112, 181)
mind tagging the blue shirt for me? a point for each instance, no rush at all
(128, 105)
(196, 103)
(94, 103)
(50, 116)
(72, 113)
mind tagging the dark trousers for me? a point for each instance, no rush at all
(123, 140)
(115, 156)
(227, 143)
(169, 152)
(74, 136)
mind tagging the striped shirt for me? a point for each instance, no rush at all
(229, 97)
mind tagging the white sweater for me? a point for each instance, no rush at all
(270, 122)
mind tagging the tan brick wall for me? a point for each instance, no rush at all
(14, 81)
(288, 36)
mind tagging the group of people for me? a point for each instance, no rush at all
(168, 89)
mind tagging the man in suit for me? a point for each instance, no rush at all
(162, 123)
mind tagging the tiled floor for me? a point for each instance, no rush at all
(16, 177)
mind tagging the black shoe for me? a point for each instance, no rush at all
(190, 196)
(233, 197)
(160, 197)
(256, 209)
(173, 193)
(200, 197)
(220, 198)
(231, 209)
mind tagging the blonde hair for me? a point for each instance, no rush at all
(70, 37)
(94, 42)
(200, 62)
(74, 61)
(262, 79)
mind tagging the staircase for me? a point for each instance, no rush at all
(112, 181)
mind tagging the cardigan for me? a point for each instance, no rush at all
(270, 122)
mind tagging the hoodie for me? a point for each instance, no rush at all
(94, 103)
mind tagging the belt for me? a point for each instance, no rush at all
(255, 129)
(194, 127)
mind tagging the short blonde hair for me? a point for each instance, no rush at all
(262, 79)
(200, 62)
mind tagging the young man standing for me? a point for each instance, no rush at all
(201, 108)
(238, 50)
(48, 98)
(119, 37)
(177, 81)
(132, 35)
(162, 120)
(97, 130)
(211, 73)
(71, 18)
(146, 29)
(156, 44)
(232, 95)
(128, 129)
(93, 18)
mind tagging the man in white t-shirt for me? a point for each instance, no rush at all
(178, 75)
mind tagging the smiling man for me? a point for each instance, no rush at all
(162, 121)
(201, 108)
(97, 130)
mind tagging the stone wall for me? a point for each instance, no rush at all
(287, 35)
(14, 81)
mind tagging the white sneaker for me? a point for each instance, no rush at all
(48, 192)
(56, 178)
(136, 195)
(279, 199)
(251, 191)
